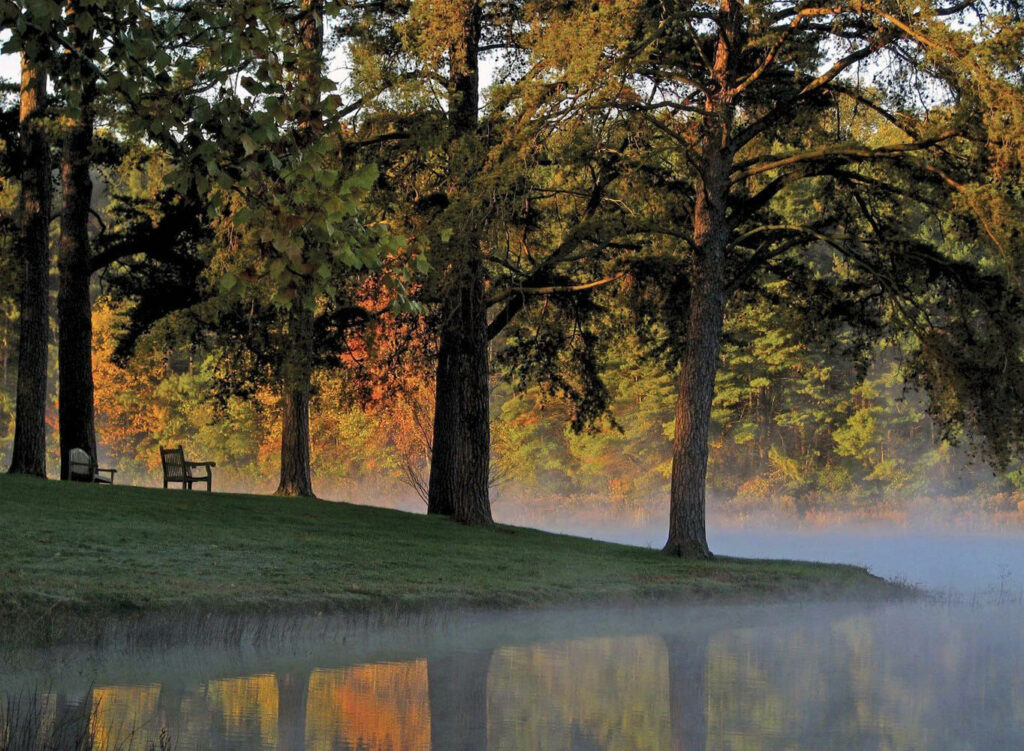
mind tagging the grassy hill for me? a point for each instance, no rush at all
(75, 556)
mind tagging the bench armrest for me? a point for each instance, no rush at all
(201, 464)
(111, 471)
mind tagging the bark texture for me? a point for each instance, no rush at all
(460, 457)
(74, 310)
(297, 370)
(687, 536)
(29, 449)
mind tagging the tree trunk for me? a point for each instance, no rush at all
(29, 450)
(171, 712)
(457, 686)
(297, 370)
(442, 484)
(687, 535)
(74, 311)
(460, 457)
(297, 360)
(460, 462)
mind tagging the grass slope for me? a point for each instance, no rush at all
(75, 553)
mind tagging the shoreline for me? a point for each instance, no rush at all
(282, 643)
(83, 562)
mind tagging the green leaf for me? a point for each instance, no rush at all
(365, 177)
(242, 217)
(227, 282)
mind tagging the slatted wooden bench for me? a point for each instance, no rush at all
(82, 468)
(177, 469)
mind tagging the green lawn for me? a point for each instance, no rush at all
(74, 553)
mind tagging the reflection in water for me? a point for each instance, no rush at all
(687, 690)
(121, 711)
(900, 678)
(246, 707)
(608, 694)
(380, 706)
(458, 701)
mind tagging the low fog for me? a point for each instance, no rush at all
(901, 676)
(923, 543)
(939, 556)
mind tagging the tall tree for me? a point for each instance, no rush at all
(29, 450)
(264, 157)
(460, 458)
(297, 359)
(74, 309)
(506, 190)
(754, 102)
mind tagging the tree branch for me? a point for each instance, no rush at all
(555, 289)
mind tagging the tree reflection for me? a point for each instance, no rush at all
(458, 701)
(580, 695)
(292, 693)
(372, 707)
(120, 712)
(687, 691)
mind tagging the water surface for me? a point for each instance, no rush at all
(899, 676)
(945, 675)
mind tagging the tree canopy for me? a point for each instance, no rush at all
(784, 235)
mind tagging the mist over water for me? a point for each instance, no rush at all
(941, 558)
(945, 673)
(799, 677)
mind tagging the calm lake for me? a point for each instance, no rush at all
(946, 675)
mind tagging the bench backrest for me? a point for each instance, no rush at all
(173, 461)
(79, 465)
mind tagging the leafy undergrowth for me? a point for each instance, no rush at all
(76, 556)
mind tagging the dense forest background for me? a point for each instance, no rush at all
(796, 432)
(294, 208)
(801, 428)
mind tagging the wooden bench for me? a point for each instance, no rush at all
(81, 468)
(177, 469)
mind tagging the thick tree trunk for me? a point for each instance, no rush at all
(29, 450)
(460, 457)
(297, 371)
(457, 686)
(460, 462)
(71, 723)
(442, 484)
(74, 310)
(687, 536)
(297, 360)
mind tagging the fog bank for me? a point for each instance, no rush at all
(960, 562)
